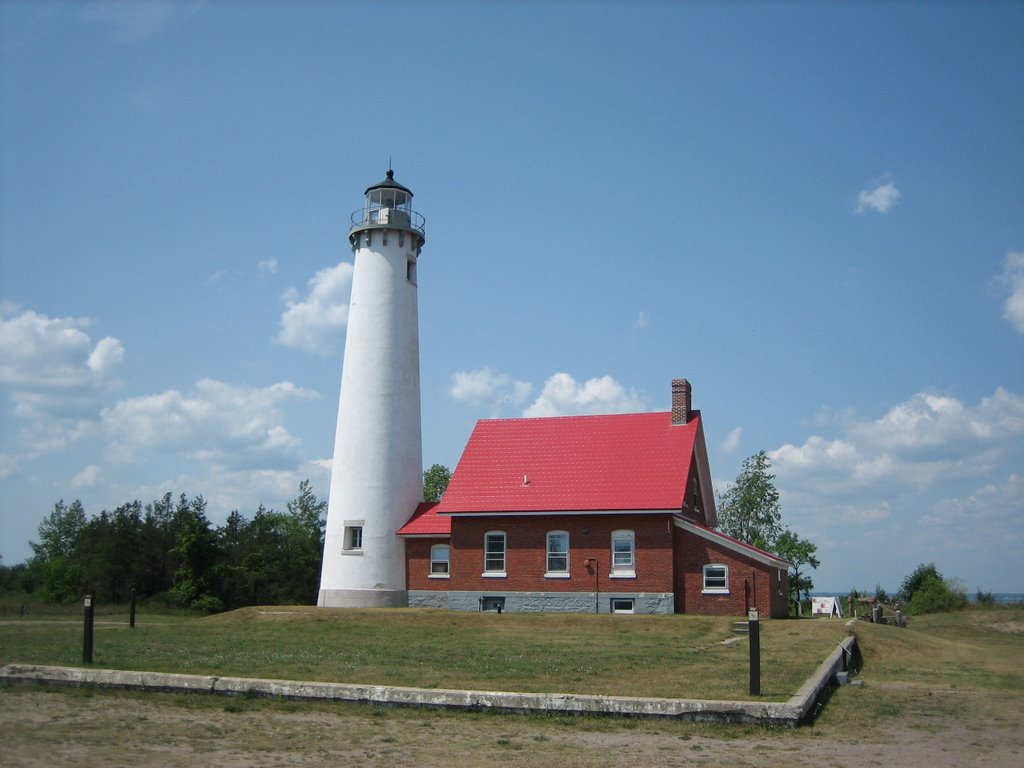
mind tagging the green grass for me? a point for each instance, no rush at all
(664, 656)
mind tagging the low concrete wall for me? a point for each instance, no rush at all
(789, 713)
(543, 602)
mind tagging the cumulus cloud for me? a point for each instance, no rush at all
(562, 395)
(486, 387)
(316, 322)
(1013, 278)
(881, 199)
(217, 423)
(54, 375)
(916, 444)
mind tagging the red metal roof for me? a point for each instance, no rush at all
(426, 522)
(637, 461)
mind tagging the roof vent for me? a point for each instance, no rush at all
(526, 480)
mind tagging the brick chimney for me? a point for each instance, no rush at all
(681, 395)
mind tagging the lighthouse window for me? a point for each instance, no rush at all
(353, 541)
(410, 271)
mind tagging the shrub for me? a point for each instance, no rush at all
(936, 595)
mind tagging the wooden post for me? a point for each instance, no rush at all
(87, 637)
(754, 631)
(131, 609)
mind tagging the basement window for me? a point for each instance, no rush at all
(716, 579)
(622, 605)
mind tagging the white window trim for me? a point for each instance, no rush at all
(346, 549)
(447, 574)
(632, 605)
(624, 571)
(706, 590)
(503, 573)
(549, 574)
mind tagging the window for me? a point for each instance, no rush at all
(410, 271)
(439, 561)
(780, 581)
(558, 554)
(716, 578)
(494, 553)
(622, 605)
(623, 554)
(353, 541)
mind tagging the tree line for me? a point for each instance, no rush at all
(171, 553)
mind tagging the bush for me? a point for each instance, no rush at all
(936, 595)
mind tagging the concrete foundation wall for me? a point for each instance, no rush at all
(538, 602)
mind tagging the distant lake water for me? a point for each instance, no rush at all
(1002, 598)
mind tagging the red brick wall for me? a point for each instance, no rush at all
(751, 583)
(590, 536)
(417, 565)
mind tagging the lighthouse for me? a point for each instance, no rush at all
(377, 473)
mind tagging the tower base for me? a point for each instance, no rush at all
(362, 598)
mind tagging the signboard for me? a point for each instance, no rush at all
(826, 606)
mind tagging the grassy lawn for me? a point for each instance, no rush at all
(663, 656)
(948, 691)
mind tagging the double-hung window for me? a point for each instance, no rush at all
(716, 579)
(439, 559)
(623, 554)
(557, 555)
(494, 553)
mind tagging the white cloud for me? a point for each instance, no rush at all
(1013, 278)
(87, 478)
(919, 443)
(218, 424)
(732, 440)
(562, 396)
(881, 199)
(316, 323)
(55, 376)
(485, 387)
(267, 267)
(642, 321)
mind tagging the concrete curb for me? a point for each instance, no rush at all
(790, 713)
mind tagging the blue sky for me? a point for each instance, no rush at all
(813, 211)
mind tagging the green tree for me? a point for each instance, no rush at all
(916, 579)
(801, 555)
(749, 509)
(56, 556)
(435, 482)
(926, 591)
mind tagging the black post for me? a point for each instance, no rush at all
(87, 640)
(754, 629)
(131, 609)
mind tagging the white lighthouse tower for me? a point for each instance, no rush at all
(377, 475)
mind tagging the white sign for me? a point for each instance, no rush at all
(826, 606)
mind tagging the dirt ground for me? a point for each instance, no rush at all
(47, 727)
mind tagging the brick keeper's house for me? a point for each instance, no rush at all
(613, 514)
